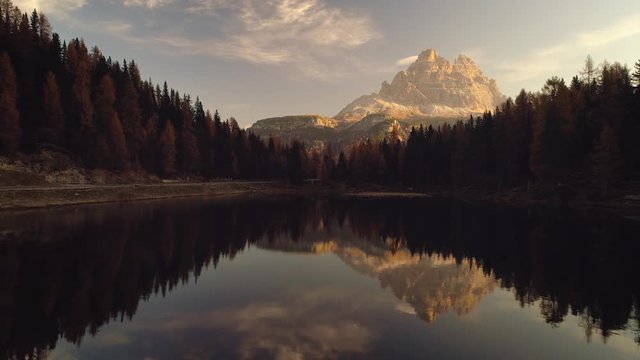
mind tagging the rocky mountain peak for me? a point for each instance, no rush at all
(430, 87)
(429, 55)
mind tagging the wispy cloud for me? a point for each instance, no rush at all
(316, 39)
(151, 4)
(623, 29)
(407, 61)
(55, 8)
(116, 27)
(207, 7)
(546, 60)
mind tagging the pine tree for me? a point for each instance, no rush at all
(636, 76)
(45, 28)
(110, 130)
(606, 158)
(35, 23)
(10, 130)
(295, 173)
(130, 115)
(188, 154)
(167, 149)
(519, 135)
(80, 111)
(589, 73)
(54, 118)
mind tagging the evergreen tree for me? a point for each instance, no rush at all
(606, 158)
(295, 172)
(187, 145)
(130, 115)
(636, 76)
(54, 117)
(589, 73)
(44, 28)
(167, 149)
(80, 110)
(111, 143)
(10, 130)
(35, 24)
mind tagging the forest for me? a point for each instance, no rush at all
(64, 97)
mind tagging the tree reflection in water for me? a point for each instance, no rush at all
(65, 273)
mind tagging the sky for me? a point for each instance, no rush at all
(253, 59)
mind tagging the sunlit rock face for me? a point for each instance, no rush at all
(430, 87)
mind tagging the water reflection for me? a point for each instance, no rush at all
(65, 274)
(427, 284)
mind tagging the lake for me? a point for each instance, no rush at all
(318, 278)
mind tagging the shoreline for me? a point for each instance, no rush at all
(41, 197)
(13, 198)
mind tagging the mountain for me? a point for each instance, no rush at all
(431, 91)
(430, 87)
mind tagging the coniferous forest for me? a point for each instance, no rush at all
(67, 97)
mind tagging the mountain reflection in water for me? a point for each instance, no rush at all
(66, 273)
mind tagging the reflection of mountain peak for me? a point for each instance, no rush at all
(430, 285)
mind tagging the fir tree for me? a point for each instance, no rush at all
(10, 130)
(54, 117)
(167, 149)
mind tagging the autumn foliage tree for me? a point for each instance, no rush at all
(111, 146)
(167, 149)
(80, 107)
(53, 112)
(9, 116)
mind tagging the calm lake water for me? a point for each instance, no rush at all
(318, 279)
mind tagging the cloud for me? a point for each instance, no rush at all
(206, 7)
(314, 38)
(552, 58)
(116, 27)
(151, 4)
(623, 29)
(55, 8)
(407, 61)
